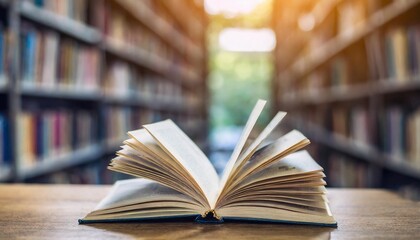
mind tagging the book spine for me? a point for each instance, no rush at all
(46, 135)
(49, 61)
(74, 9)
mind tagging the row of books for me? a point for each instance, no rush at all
(75, 9)
(395, 56)
(402, 46)
(49, 60)
(352, 123)
(341, 72)
(339, 18)
(125, 31)
(346, 172)
(96, 173)
(4, 42)
(120, 120)
(400, 135)
(124, 80)
(46, 135)
(398, 129)
(5, 153)
(192, 28)
(90, 174)
(391, 53)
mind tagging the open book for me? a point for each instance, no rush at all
(262, 181)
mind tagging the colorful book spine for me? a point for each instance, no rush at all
(353, 124)
(400, 134)
(46, 135)
(126, 80)
(402, 49)
(5, 149)
(120, 78)
(75, 9)
(125, 31)
(3, 54)
(346, 172)
(50, 61)
(120, 120)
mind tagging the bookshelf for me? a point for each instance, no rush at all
(350, 83)
(61, 113)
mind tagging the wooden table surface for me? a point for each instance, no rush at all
(51, 212)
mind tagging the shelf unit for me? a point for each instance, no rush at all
(189, 75)
(339, 81)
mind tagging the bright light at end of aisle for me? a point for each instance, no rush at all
(230, 8)
(247, 40)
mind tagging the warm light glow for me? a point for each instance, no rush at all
(247, 40)
(230, 8)
(306, 22)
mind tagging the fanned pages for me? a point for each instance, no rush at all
(270, 182)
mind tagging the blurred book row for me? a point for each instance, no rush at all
(75, 76)
(348, 72)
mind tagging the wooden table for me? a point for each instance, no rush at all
(51, 212)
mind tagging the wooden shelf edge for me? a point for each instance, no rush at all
(112, 147)
(138, 56)
(351, 93)
(174, 8)
(363, 152)
(149, 103)
(4, 3)
(61, 94)
(149, 61)
(5, 174)
(161, 28)
(4, 83)
(334, 46)
(73, 159)
(63, 24)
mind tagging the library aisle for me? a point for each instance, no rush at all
(75, 76)
(348, 74)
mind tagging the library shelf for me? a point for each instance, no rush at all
(4, 88)
(68, 26)
(359, 151)
(129, 100)
(174, 9)
(147, 60)
(74, 95)
(187, 73)
(386, 87)
(138, 100)
(4, 3)
(112, 147)
(336, 45)
(350, 93)
(5, 174)
(74, 158)
(324, 96)
(137, 56)
(161, 28)
(193, 130)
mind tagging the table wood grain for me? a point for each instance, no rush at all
(52, 211)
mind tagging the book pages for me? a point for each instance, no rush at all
(178, 145)
(256, 112)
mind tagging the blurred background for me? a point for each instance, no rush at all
(75, 76)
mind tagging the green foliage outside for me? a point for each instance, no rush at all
(238, 79)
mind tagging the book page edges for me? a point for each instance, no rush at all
(199, 219)
(256, 112)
